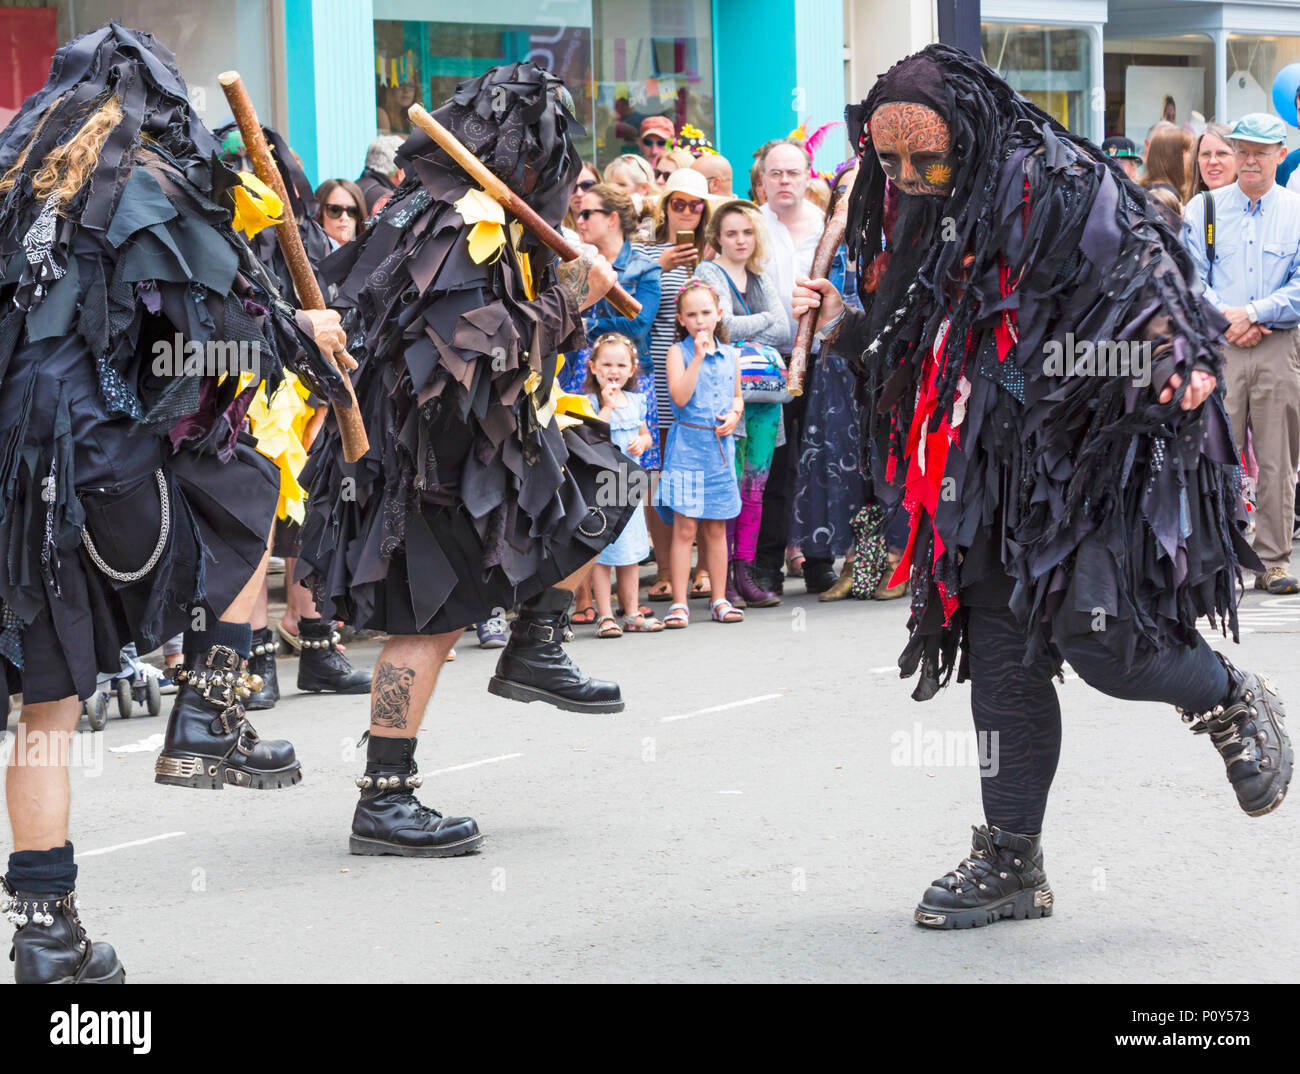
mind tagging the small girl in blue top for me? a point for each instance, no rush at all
(698, 491)
(610, 374)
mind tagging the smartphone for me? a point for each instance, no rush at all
(685, 238)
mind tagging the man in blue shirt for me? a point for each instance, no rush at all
(1254, 280)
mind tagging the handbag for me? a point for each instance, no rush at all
(762, 369)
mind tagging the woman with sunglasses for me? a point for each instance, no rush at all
(342, 207)
(671, 161)
(683, 206)
(587, 178)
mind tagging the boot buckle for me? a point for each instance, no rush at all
(541, 633)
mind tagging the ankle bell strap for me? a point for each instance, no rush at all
(271, 647)
(331, 642)
(389, 783)
(36, 911)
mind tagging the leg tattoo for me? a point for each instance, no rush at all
(392, 695)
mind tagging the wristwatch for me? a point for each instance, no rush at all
(1252, 313)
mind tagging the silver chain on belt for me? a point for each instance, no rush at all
(163, 531)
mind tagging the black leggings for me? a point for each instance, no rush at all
(1019, 704)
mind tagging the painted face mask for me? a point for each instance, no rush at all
(914, 146)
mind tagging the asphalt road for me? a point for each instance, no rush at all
(769, 807)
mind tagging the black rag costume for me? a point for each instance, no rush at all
(471, 498)
(1056, 507)
(96, 289)
(1084, 491)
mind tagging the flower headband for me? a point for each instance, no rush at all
(615, 337)
(695, 282)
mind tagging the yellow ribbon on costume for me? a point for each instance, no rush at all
(256, 205)
(487, 237)
(279, 426)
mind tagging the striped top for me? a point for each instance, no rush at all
(663, 332)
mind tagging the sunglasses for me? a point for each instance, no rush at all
(679, 206)
(586, 184)
(587, 214)
(654, 141)
(336, 211)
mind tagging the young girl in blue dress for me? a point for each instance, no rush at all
(611, 376)
(698, 491)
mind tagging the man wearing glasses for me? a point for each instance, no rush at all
(656, 133)
(1254, 281)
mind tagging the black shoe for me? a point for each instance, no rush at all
(389, 819)
(1248, 732)
(262, 663)
(534, 667)
(768, 577)
(1003, 877)
(321, 667)
(51, 946)
(819, 575)
(209, 740)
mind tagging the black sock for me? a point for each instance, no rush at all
(237, 636)
(43, 872)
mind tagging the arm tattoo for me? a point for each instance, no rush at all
(391, 701)
(572, 276)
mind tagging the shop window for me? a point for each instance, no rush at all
(1049, 65)
(652, 59)
(422, 61)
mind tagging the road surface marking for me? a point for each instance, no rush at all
(885, 670)
(475, 764)
(720, 708)
(132, 843)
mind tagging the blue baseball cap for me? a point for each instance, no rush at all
(1259, 127)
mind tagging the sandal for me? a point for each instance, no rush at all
(678, 617)
(642, 623)
(661, 589)
(291, 640)
(794, 564)
(584, 616)
(613, 630)
(640, 610)
(723, 611)
(701, 586)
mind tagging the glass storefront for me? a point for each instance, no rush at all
(1149, 79)
(206, 41)
(622, 60)
(1050, 65)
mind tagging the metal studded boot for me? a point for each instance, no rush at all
(1248, 732)
(262, 664)
(534, 667)
(389, 819)
(321, 667)
(209, 741)
(51, 946)
(1003, 877)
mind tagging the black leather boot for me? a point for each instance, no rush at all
(389, 819)
(1248, 732)
(209, 740)
(262, 663)
(322, 668)
(1003, 877)
(51, 946)
(534, 667)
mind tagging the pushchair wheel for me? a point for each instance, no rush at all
(124, 700)
(153, 696)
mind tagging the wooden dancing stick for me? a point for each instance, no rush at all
(831, 238)
(351, 429)
(510, 201)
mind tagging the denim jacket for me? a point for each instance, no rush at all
(640, 277)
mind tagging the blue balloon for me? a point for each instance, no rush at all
(1284, 90)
